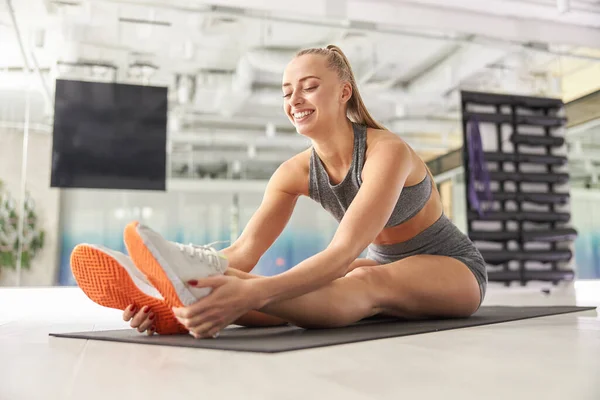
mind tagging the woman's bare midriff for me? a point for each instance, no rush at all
(430, 213)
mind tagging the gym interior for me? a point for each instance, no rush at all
(169, 112)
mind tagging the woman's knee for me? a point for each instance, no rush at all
(369, 274)
(361, 263)
(374, 280)
(357, 297)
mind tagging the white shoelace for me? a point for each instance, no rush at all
(205, 253)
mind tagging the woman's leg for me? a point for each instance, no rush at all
(415, 287)
(257, 318)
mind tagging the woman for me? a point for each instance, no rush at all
(418, 265)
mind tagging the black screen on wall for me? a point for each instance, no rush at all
(109, 136)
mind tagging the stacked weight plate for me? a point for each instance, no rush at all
(518, 209)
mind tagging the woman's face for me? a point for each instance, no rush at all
(312, 93)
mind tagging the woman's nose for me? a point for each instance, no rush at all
(296, 98)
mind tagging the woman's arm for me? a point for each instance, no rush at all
(288, 182)
(384, 174)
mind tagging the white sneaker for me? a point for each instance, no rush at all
(109, 278)
(169, 266)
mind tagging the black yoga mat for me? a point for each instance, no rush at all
(287, 338)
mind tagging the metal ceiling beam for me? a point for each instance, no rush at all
(450, 73)
(495, 27)
(407, 20)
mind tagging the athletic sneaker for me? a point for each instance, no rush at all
(110, 278)
(169, 265)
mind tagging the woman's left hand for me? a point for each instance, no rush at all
(230, 298)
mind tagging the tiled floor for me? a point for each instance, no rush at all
(554, 357)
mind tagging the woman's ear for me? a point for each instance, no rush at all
(346, 92)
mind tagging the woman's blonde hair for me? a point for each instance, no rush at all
(337, 61)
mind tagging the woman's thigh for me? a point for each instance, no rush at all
(423, 286)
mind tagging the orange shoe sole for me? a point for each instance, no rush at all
(107, 283)
(145, 261)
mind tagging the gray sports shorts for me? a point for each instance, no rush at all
(442, 238)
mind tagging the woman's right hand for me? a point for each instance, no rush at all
(140, 319)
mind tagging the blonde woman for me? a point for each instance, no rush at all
(418, 264)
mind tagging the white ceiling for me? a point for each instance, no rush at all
(223, 60)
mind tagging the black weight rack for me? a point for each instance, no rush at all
(523, 232)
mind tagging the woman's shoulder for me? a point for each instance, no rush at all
(294, 171)
(300, 162)
(382, 134)
(377, 138)
(385, 140)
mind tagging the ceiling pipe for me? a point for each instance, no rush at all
(359, 26)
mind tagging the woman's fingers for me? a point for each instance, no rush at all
(140, 317)
(208, 327)
(195, 321)
(147, 323)
(214, 332)
(200, 321)
(143, 320)
(201, 331)
(129, 312)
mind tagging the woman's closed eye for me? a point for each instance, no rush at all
(308, 89)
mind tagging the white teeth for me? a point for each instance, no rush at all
(302, 114)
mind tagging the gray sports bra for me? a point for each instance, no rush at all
(337, 198)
